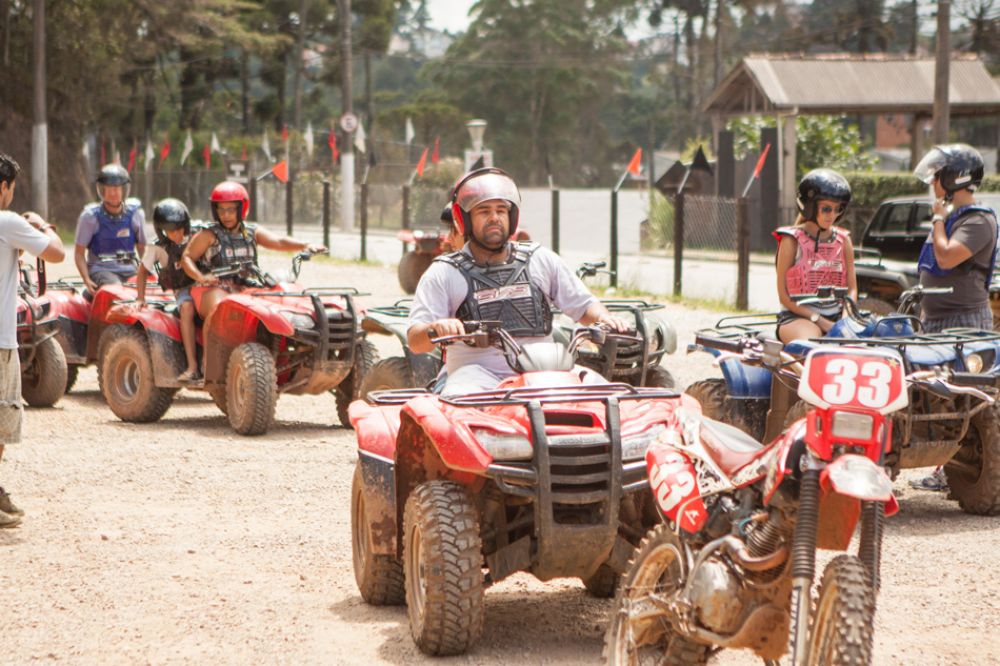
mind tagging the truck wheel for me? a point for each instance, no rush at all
(379, 577)
(72, 372)
(974, 472)
(603, 583)
(442, 562)
(218, 393)
(388, 374)
(659, 377)
(44, 381)
(251, 389)
(411, 267)
(841, 629)
(127, 380)
(637, 634)
(877, 306)
(349, 390)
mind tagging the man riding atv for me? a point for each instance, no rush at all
(492, 278)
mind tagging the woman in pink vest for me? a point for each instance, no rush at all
(814, 253)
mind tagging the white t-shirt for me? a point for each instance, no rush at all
(153, 255)
(15, 234)
(443, 288)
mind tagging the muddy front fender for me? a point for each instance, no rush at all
(236, 320)
(377, 429)
(845, 483)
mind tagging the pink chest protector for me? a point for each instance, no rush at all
(817, 264)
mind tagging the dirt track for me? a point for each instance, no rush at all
(183, 542)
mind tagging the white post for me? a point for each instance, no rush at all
(347, 191)
(40, 130)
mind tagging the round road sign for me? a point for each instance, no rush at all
(348, 122)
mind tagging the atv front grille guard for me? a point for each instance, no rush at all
(619, 357)
(336, 330)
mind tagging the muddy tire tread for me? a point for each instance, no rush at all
(52, 373)
(389, 373)
(381, 583)
(349, 390)
(125, 340)
(258, 366)
(981, 497)
(854, 611)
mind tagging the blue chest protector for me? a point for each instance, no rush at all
(114, 232)
(928, 262)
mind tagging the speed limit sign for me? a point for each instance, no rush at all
(348, 122)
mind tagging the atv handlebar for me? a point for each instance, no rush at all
(119, 257)
(592, 268)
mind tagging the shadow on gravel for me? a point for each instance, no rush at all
(564, 626)
(930, 514)
(11, 537)
(218, 425)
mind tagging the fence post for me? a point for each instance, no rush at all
(253, 198)
(742, 255)
(364, 221)
(614, 239)
(289, 206)
(406, 211)
(678, 241)
(555, 221)
(326, 214)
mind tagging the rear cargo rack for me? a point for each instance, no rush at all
(949, 337)
(529, 394)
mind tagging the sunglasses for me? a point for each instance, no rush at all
(826, 210)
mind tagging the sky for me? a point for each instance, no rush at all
(451, 15)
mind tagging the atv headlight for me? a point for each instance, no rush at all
(588, 347)
(634, 446)
(504, 447)
(974, 362)
(299, 320)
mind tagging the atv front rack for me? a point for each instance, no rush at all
(528, 394)
(956, 337)
(628, 304)
(400, 308)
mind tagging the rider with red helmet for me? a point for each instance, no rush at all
(229, 241)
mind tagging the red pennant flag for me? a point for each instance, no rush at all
(636, 164)
(104, 155)
(132, 155)
(280, 171)
(243, 155)
(332, 142)
(284, 132)
(422, 163)
(436, 155)
(165, 150)
(207, 154)
(761, 160)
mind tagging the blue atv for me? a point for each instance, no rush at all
(957, 429)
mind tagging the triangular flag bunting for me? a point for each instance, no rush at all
(206, 152)
(215, 147)
(150, 154)
(359, 138)
(331, 141)
(164, 150)
(284, 133)
(635, 166)
(131, 156)
(436, 155)
(188, 147)
(265, 145)
(280, 171)
(422, 163)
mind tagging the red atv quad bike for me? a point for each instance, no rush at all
(427, 242)
(43, 364)
(263, 341)
(544, 474)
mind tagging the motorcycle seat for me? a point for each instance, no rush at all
(730, 447)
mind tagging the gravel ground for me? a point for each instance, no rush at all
(180, 542)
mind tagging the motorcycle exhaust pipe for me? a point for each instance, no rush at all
(738, 550)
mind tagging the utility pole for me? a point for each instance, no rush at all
(941, 72)
(40, 130)
(915, 28)
(298, 64)
(347, 155)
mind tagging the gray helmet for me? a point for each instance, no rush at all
(957, 166)
(113, 175)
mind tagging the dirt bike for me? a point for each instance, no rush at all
(43, 364)
(269, 338)
(543, 474)
(732, 564)
(959, 431)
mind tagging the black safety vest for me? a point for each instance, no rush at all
(504, 292)
(172, 276)
(234, 248)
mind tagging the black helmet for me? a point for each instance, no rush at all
(113, 174)
(447, 218)
(957, 166)
(170, 214)
(822, 184)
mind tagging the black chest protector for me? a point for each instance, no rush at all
(172, 276)
(234, 248)
(504, 292)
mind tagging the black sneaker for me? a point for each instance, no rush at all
(934, 482)
(7, 506)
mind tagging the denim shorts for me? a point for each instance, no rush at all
(183, 295)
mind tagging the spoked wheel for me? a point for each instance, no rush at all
(442, 562)
(640, 631)
(379, 577)
(841, 629)
(974, 472)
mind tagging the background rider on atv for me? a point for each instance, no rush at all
(491, 278)
(109, 229)
(172, 224)
(228, 242)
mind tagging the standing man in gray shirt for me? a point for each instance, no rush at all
(492, 278)
(28, 232)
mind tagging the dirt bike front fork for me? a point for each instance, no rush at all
(803, 564)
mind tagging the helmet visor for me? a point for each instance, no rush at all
(487, 187)
(933, 162)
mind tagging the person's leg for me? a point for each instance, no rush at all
(11, 412)
(102, 278)
(799, 329)
(469, 379)
(188, 338)
(209, 301)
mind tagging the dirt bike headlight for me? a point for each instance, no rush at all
(857, 476)
(634, 446)
(850, 425)
(299, 320)
(504, 447)
(974, 362)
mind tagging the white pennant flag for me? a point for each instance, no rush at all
(86, 150)
(308, 138)
(265, 145)
(188, 147)
(150, 154)
(215, 147)
(359, 138)
(410, 134)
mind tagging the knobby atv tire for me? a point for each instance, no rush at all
(841, 630)
(659, 377)
(218, 393)
(411, 267)
(72, 372)
(653, 569)
(379, 577)
(44, 381)
(797, 411)
(974, 472)
(349, 390)
(251, 389)
(127, 380)
(603, 583)
(877, 306)
(388, 374)
(713, 394)
(442, 560)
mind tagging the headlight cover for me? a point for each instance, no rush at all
(300, 320)
(634, 446)
(974, 362)
(504, 447)
(851, 425)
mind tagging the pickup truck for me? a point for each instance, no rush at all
(885, 260)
